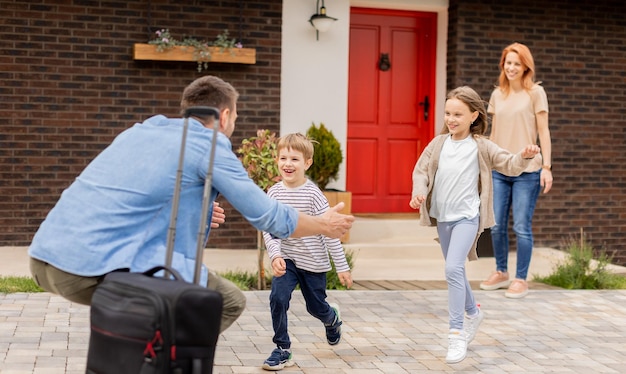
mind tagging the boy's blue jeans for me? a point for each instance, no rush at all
(519, 193)
(313, 287)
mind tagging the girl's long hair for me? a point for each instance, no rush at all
(475, 103)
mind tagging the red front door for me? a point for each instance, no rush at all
(390, 105)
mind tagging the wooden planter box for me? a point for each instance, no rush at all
(334, 197)
(144, 51)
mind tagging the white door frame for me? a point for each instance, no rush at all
(314, 73)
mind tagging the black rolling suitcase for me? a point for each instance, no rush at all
(143, 323)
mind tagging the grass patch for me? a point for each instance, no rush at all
(248, 281)
(243, 279)
(584, 268)
(14, 284)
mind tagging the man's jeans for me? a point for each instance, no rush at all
(80, 289)
(313, 287)
(519, 193)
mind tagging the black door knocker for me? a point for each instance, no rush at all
(384, 64)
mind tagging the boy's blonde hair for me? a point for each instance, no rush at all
(297, 142)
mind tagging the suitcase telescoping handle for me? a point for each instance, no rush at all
(200, 111)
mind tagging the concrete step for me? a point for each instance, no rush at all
(390, 229)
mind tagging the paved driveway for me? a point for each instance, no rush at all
(384, 332)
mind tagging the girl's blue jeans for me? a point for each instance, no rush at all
(456, 240)
(520, 194)
(313, 287)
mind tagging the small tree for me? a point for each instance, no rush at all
(327, 157)
(258, 155)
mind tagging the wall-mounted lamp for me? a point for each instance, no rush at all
(320, 20)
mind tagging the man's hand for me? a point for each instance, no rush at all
(336, 224)
(218, 216)
(279, 267)
(345, 277)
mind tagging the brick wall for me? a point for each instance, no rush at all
(69, 85)
(579, 49)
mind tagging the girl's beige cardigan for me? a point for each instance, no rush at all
(490, 156)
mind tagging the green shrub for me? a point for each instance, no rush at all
(327, 157)
(578, 271)
(245, 280)
(332, 279)
(258, 155)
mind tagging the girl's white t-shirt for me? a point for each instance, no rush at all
(455, 193)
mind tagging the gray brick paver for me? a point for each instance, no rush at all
(550, 331)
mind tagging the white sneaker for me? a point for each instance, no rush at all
(457, 347)
(472, 324)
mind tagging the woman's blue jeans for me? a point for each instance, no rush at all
(520, 194)
(456, 240)
(313, 287)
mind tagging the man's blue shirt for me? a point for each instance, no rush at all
(116, 214)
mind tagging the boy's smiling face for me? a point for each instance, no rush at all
(293, 166)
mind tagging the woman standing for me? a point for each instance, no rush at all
(519, 110)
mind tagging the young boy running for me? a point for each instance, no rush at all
(302, 261)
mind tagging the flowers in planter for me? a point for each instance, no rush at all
(164, 40)
(202, 49)
(222, 41)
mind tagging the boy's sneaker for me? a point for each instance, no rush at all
(457, 346)
(472, 324)
(517, 289)
(279, 359)
(333, 331)
(496, 280)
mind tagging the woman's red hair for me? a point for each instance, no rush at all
(526, 58)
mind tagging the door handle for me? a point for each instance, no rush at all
(383, 63)
(426, 105)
